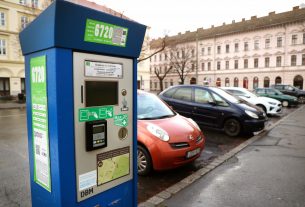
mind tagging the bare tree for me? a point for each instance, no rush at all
(161, 74)
(182, 60)
(144, 56)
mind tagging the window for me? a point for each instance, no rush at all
(183, 54)
(227, 82)
(218, 82)
(171, 82)
(227, 48)
(267, 43)
(170, 93)
(266, 82)
(183, 94)
(227, 64)
(278, 80)
(279, 42)
(270, 91)
(209, 65)
(218, 65)
(278, 61)
(293, 60)
(178, 54)
(235, 82)
(155, 57)
(35, 3)
(256, 44)
(220, 101)
(22, 81)
(294, 39)
(202, 51)
(2, 19)
(160, 57)
(303, 38)
(151, 85)
(202, 66)
(209, 50)
(23, 2)
(236, 47)
(193, 67)
(260, 91)
(4, 86)
(245, 82)
(303, 59)
(193, 53)
(255, 82)
(236, 64)
(165, 56)
(267, 62)
(246, 46)
(2, 47)
(218, 49)
(245, 63)
(255, 62)
(202, 96)
(24, 22)
(165, 84)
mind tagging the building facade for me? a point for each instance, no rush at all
(14, 16)
(251, 53)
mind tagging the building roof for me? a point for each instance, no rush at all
(297, 14)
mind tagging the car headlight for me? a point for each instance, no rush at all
(158, 132)
(251, 114)
(194, 123)
(272, 103)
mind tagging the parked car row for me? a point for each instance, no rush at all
(168, 126)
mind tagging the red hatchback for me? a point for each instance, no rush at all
(166, 140)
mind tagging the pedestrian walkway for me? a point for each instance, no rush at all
(11, 105)
(269, 172)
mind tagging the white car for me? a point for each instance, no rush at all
(269, 105)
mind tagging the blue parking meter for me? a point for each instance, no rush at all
(81, 77)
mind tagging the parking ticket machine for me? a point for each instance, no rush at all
(81, 110)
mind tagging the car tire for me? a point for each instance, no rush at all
(301, 99)
(285, 103)
(262, 107)
(144, 161)
(232, 127)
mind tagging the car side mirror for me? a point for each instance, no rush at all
(213, 103)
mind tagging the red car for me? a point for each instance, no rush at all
(166, 140)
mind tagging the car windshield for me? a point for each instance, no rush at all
(227, 96)
(151, 107)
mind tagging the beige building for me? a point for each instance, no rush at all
(14, 16)
(251, 53)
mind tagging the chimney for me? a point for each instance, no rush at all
(223, 24)
(187, 31)
(212, 26)
(271, 13)
(295, 8)
(253, 17)
(179, 33)
(243, 19)
(233, 21)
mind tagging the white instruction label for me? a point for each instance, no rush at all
(87, 180)
(105, 70)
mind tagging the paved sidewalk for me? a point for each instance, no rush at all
(269, 172)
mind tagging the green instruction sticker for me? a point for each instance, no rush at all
(121, 120)
(40, 131)
(104, 33)
(95, 113)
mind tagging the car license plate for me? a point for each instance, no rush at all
(193, 153)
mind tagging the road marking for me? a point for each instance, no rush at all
(12, 115)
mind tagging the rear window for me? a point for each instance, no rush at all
(183, 94)
(280, 87)
(260, 91)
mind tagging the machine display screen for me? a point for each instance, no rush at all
(101, 93)
(98, 129)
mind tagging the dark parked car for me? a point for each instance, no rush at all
(291, 90)
(286, 100)
(215, 108)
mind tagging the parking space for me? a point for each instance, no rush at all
(217, 143)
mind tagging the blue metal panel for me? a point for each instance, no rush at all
(63, 25)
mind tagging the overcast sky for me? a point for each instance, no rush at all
(173, 16)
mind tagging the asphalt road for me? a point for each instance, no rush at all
(14, 172)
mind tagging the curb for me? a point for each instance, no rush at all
(157, 200)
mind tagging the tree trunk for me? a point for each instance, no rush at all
(161, 85)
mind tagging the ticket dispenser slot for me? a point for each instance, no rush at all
(96, 135)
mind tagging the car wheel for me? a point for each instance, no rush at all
(144, 161)
(262, 107)
(301, 99)
(285, 103)
(232, 127)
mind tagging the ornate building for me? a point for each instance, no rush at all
(14, 17)
(251, 53)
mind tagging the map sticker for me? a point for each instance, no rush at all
(113, 165)
(40, 132)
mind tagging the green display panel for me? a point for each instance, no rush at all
(104, 33)
(40, 134)
(95, 113)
